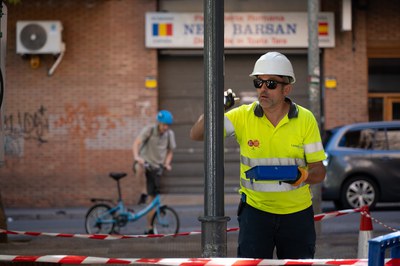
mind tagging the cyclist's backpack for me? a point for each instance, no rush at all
(149, 136)
(146, 140)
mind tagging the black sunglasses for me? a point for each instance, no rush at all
(271, 84)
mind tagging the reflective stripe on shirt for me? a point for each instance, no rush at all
(313, 147)
(251, 162)
(274, 186)
(229, 129)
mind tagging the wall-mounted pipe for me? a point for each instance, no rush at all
(58, 61)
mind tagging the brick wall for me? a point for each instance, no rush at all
(66, 132)
(375, 33)
(384, 25)
(347, 62)
(383, 29)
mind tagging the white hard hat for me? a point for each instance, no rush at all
(274, 63)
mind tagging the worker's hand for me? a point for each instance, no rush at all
(230, 99)
(302, 175)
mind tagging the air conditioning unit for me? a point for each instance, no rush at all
(39, 37)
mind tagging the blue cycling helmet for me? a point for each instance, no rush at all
(165, 117)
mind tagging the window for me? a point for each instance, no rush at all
(372, 139)
(380, 143)
(383, 89)
(350, 139)
(366, 138)
(393, 135)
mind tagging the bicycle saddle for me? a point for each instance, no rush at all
(117, 175)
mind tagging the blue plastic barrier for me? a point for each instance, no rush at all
(378, 246)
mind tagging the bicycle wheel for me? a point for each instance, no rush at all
(166, 221)
(99, 220)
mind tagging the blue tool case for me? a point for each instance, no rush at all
(273, 172)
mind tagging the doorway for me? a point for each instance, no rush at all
(384, 106)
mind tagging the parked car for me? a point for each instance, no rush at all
(363, 164)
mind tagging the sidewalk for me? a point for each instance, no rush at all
(61, 213)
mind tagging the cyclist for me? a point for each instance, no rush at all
(152, 153)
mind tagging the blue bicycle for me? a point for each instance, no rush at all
(107, 217)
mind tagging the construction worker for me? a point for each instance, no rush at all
(152, 153)
(274, 130)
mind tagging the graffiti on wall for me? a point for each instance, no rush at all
(22, 126)
(84, 121)
(33, 125)
(96, 126)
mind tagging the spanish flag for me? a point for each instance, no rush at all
(162, 29)
(323, 28)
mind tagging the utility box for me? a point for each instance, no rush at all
(39, 37)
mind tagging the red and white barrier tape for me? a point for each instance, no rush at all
(317, 217)
(98, 236)
(71, 259)
(323, 216)
(377, 221)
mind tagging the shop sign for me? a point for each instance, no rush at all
(242, 30)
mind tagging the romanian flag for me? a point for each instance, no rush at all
(162, 29)
(323, 28)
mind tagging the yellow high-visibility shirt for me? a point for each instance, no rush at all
(296, 140)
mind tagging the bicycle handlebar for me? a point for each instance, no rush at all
(159, 170)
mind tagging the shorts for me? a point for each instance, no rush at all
(292, 235)
(153, 181)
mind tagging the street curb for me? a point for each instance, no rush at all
(176, 200)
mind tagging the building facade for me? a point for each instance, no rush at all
(68, 122)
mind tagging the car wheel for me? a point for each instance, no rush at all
(359, 191)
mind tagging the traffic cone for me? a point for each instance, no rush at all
(365, 233)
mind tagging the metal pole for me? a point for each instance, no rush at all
(214, 222)
(3, 38)
(314, 85)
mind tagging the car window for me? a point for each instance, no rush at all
(350, 139)
(372, 139)
(367, 138)
(327, 135)
(393, 135)
(380, 143)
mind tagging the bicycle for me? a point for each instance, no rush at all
(107, 217)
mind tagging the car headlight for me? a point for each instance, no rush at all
(326, 161)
